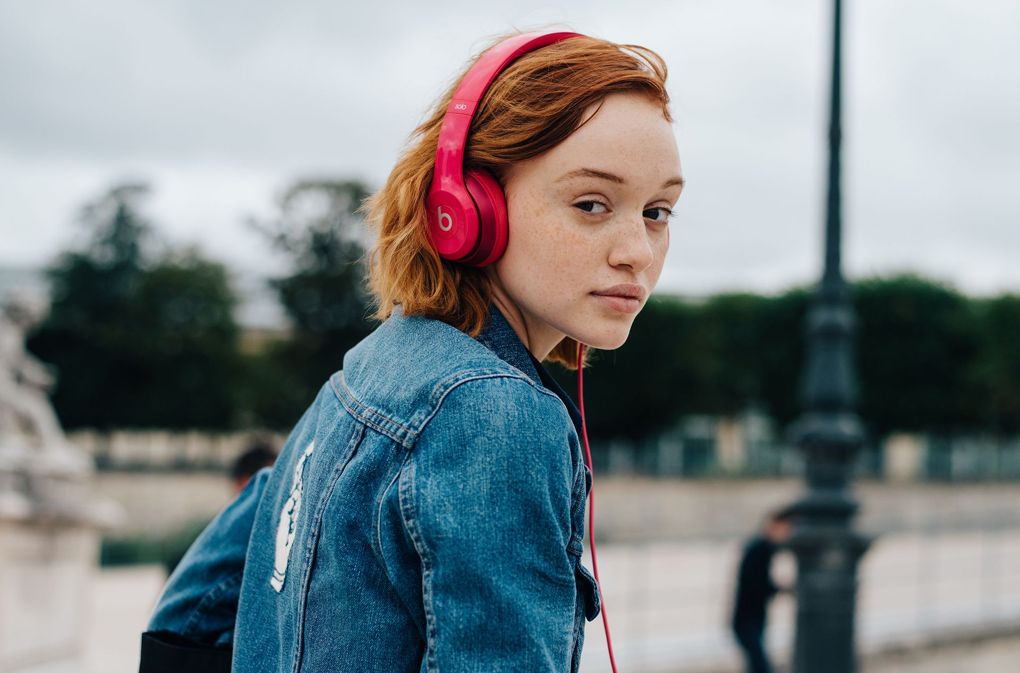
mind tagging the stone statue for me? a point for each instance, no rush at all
(26, 417)
(41, 473)
(50, 520)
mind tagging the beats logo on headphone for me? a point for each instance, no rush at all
(467, 211)
(445, 220)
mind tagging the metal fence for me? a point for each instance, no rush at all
(745, 446)
(750, 446)
(669, 603)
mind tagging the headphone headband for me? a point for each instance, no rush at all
(467, 214)
(462, 107)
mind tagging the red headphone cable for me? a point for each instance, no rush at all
(591, 502)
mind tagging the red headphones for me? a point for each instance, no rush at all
(467, 212)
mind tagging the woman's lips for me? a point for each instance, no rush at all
(619, 303)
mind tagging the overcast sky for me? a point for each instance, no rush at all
(221, 104)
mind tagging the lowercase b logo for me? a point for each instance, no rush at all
(445, 220)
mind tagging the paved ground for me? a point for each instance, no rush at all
(669, 602)
(668, 605)
(1000, 655)
(121, 602)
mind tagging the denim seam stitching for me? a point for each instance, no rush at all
(580, 476)
(380, 555)
(299, 626)
(407, 508)
(377, 542)
(475, 376)
(368, 415)
(407, 434)
(406, 496)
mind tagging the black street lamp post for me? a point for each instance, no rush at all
(829, 435)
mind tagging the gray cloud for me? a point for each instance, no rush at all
(221, 103)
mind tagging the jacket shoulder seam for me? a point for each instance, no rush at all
(406, 433)
(371, 417)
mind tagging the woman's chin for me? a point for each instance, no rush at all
(605, 340)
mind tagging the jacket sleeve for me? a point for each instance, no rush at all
(486, 500)
(199, 601)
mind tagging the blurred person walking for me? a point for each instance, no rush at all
(755, 588)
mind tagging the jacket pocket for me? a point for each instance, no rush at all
(588, 588)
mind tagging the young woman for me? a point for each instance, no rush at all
(427, 511)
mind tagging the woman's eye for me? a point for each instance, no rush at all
(592, 207)
(663, 214)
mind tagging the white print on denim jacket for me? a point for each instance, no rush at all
(288, 523)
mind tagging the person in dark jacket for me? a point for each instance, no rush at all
(755, 588)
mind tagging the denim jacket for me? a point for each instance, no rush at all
(425, 514)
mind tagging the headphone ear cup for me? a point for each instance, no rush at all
(493, 226)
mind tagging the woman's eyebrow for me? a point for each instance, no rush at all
(602, 175)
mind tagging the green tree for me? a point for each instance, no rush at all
(640, 388)
(731, 327)
(193, 364)
(780, 354)
(137, 342)
(917, 345)
(712, 356)
(997, 369)
(321, 232)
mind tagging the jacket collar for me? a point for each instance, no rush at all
(502, 340)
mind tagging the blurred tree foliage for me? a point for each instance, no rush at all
(928, 359)
(715, 356)
(138, 341)
(319, 230)
(997, 370)
(780, 353)
(917, 349)
(638, 390)
(145, 340)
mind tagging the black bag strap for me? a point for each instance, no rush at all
(166, 652)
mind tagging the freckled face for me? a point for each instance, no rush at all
(588, 225)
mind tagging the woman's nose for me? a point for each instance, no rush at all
(631, 245)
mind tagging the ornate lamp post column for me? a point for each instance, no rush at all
(829, 434)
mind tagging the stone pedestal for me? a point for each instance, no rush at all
(49, 521)
(45, 572)
(49, 547)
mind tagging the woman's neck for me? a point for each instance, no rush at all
(538, 337)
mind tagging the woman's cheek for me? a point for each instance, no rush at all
(662, 246)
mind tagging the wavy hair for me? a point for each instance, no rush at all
(531, 106)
